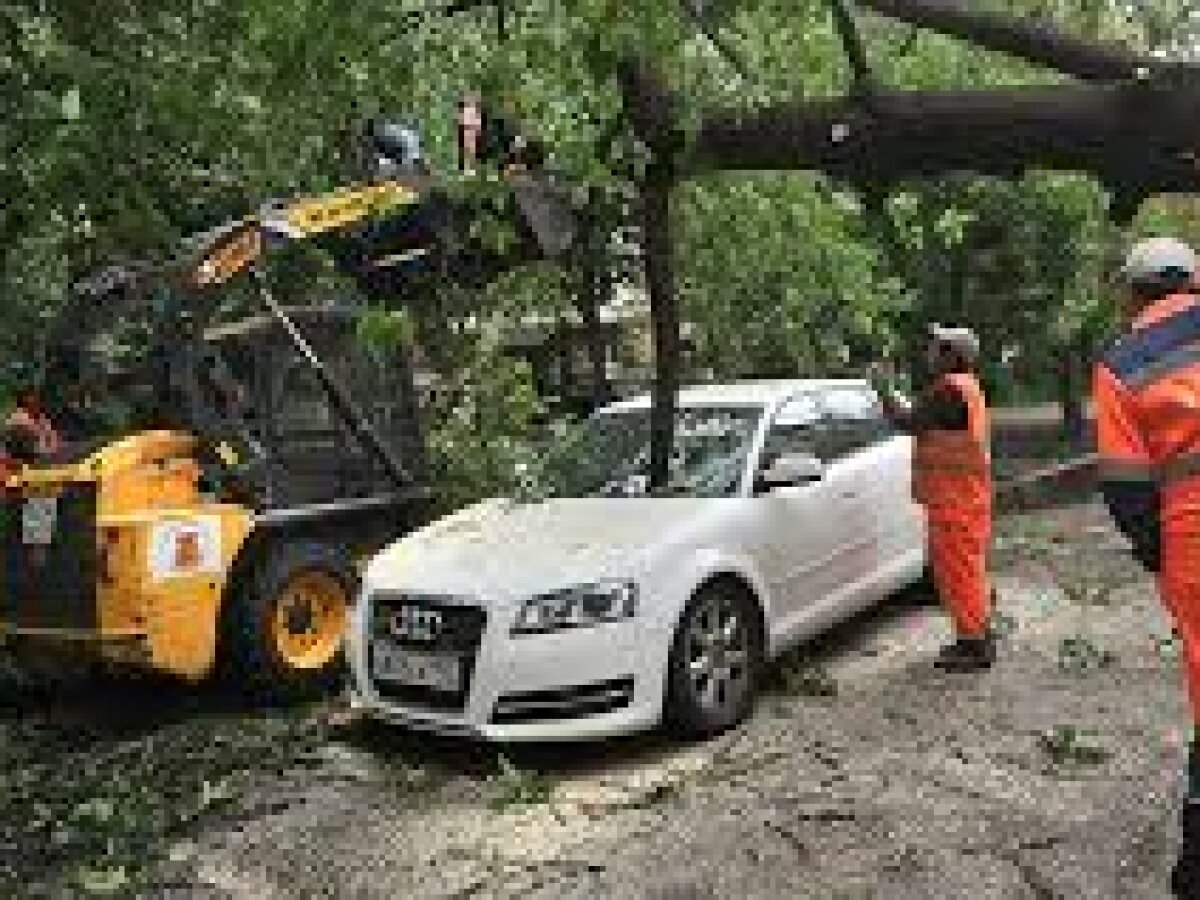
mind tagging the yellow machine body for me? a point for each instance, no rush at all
(163, 557)
(122, 557)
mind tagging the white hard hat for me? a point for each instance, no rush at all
(1159, 262)
(962, 341)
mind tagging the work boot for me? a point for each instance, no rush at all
(1185, 877)
(968, 654)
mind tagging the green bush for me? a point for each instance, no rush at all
(487, 430)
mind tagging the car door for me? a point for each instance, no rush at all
(868, 482)
(798, 538)
(900, 522)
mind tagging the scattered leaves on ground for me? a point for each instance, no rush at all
(802, 676)
(1070, 748)
(1079, 655)
(512, 787)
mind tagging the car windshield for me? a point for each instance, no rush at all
(608, 455)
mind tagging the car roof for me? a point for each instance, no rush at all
(742, 393)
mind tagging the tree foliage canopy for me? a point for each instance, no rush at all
(130, 124)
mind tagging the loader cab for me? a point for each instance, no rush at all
(316, 459)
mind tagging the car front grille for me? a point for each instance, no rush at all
(564, 703)
(427, 624)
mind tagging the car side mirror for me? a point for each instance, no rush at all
(792, 470)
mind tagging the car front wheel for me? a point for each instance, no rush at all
(716, 657)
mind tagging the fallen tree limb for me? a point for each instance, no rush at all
(1141, 134)
(1034, 40)
(1045, 488)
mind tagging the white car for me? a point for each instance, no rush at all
(595, 608)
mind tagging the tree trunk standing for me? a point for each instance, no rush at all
(664, 314)
(654, 119)
(592, 293)
(1070, 394)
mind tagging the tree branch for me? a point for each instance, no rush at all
(852, 45)
(1135, 137)
(693, 10)
(1038, 42)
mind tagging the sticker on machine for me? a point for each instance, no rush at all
(185, 547)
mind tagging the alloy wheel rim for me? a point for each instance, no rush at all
(718, 655)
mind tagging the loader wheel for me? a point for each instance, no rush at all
(286, 629)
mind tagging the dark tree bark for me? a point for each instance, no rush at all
(653, 116)
(1071, 386)
(664, 311)
(1139, 135)
(592, 292)
(1036, 41)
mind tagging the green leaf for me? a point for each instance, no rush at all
(72, 105)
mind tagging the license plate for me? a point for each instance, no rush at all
(439, 671)
(37, 520)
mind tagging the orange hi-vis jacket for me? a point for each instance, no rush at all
(952, 469)
(1147, 395)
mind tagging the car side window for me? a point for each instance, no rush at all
(856, 421)
(796, 428)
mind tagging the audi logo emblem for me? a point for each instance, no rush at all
(409, 623)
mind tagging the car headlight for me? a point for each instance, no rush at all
(577, 606)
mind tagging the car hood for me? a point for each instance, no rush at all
(502, 547)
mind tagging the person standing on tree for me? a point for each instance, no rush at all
(1146, 391)
(952, 481)
(28, 435)
(470, 131)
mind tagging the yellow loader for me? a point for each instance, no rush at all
(181, 546)
(172, 548)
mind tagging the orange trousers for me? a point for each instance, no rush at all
(1179, 584)
(958, 559)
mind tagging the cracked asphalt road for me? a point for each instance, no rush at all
(905, 783)
(1054, 775)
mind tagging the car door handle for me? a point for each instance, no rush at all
(848, 495)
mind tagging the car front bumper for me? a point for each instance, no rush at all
(583, 683)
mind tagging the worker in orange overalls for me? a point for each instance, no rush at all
(952, 481)
(1146, 390)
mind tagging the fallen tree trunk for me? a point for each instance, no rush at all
(1121, 134)
(1072, 480)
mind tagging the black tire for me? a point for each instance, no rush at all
(252, 659)
(686, 713)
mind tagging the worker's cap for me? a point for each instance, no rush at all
(1158, 261)
(961, 340)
